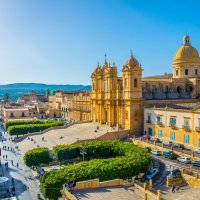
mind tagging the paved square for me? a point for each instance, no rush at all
(110, 193)
(65, 136)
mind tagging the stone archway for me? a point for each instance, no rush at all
(189, 88)
(179, 89)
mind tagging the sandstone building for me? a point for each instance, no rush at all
(184, 83)
(117, 101)
(120, 101)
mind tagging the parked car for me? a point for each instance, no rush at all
(153, 139)
(177, 145)
(169, 154)
(176, 173)
(197, 150)
(184, 160)
(66, 122)
(156, 152)
(146, 137)
(167, 143)
(196, 163)
(152, 172)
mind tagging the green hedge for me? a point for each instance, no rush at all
(29, 128)
(95, 149)
(36, 156)
(24, 122)
(130, 160)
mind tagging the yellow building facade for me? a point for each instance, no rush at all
(183, 83)
(77, 106)
(117, 101)
(174, 123)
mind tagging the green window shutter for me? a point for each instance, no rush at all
(199, 142)
(160, 133)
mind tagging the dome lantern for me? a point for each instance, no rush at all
(186, 40)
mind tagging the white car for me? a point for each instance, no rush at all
(184, 160)
(197, 150)
(167, 143)
(156, 152)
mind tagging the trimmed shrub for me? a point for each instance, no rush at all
(132, 161)
(30, 128)
(25, 122)
(95, 149)
(37, 156)
(22, 122)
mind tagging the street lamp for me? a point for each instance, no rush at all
(83, 152)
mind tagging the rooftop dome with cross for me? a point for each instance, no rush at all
(186, 53)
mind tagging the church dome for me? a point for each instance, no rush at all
(186, 53)
(131, 62)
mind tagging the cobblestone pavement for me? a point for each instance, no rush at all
(25, 184)
(110, 193)
(64, 136)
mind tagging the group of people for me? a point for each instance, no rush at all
(70, 186)
(8, 148)
(5, 157)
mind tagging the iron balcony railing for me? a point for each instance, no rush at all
(187, 128)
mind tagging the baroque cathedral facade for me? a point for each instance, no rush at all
(119, 101)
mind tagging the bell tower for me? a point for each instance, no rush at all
(132, 95)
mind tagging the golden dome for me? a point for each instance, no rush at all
(131, 62)
(186, 53)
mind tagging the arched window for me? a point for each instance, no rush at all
(166, 88)
(179, 89)
(135, 83)
(105, 87)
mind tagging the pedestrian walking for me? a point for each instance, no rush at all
(17, 165)
(8, 148)
(6, 156)
(6, 165)
(3, 157)
(12, 162)
(173, 188)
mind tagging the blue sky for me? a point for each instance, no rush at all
(61, 41)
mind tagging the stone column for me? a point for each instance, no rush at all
(150, 183)
(159, 195)
(168, 181)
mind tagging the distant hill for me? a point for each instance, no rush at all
(17, 89)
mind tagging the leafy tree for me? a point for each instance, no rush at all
(37, 156)
(128, 160)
